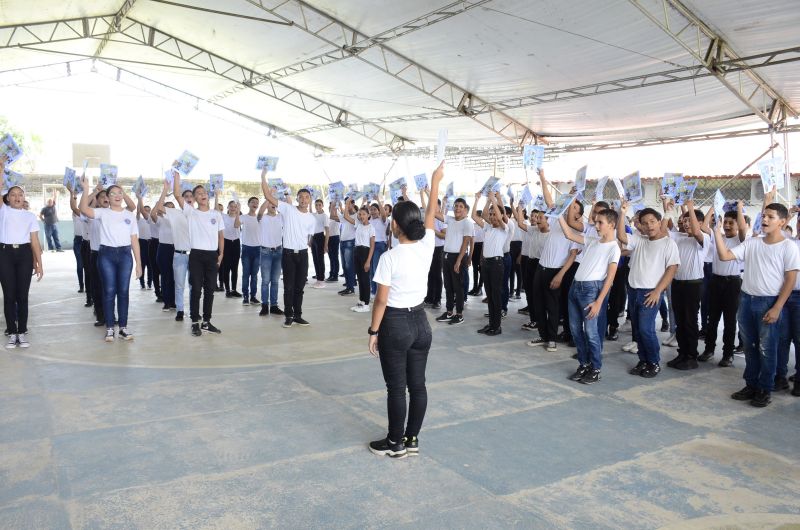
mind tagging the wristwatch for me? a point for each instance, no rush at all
(370, 332)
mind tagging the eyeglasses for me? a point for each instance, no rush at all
(115, 194)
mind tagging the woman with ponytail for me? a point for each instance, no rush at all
(399, 333)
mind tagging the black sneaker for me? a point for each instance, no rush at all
(159, 299)
(651, 370)
(761, 399)
(781, 383)
(346, 292)
(275, 310)
(254, 301)
(727, 360)
(687, 364)
(523, 311)
(705, 356)
(796, 389)
(503, 313)
(493, 332)
(301, 322)
(444, 317)
(331, 280)
(386, 447)
(679, 359)
(99, 323)
(411, 444)
(591, 377)
(165, 308)
(739, 349)
(179, 316)
(87, 304)
(209, 328)
(228, 294)
(264, 310)
(664, 327)
(459, 319)
(245, 300)
(612, 334)
(637, 370)
(701, 334)
(436, 305)
(196, 329)
(124, 334)
(288, 322)
(580, 372)
(745, 394)
(484, 329)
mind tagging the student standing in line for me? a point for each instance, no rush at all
(81, 225)
(233, 250)
(20, 253)
(152, 254)
(119, 235)
(654, 261)
(399, 332)
(298, 229)
(477, 253)
(97, 199)
(495, 228)
(523, 259)
(77, 242)
(457, 237)
(177, 231)
(270, 224)
(378, 220)
(364, 248)
(771, 263)
(142, 213)
(515, 277)
(433, 297)
(536, 233)
(319, 243)
(334, 227)
(347, 244)
(251, 252)
(164, 216)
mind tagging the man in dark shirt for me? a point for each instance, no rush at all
(50, 217)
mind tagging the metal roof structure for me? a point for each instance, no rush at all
(358, 76)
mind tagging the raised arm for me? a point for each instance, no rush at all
(73, 203)
(160, 204)
(85, 198)
(346, 212)
(129, 204)
(266, 189)
(237, 218)
(519, 217)
(333, 212)
(436, 179)
(622, 235)
(494, 197)
(176, 188)
(698, 235)
(546, 193)
(723, 252)
(478, 219)
(381, 208)
(741, 222)
(569, 233)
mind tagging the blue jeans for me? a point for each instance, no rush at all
(116, 264)
(380, 248)
(790, 334)
(51, 234)
(348, 263)
(251, 261)
(586, 333)
(760, 341)
(270, 274)
(180, 266)
(643, 324)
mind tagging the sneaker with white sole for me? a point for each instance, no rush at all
(110, 335)
(355, 307)
(551, 346)
(631, 347)
(22, 341)
(125, 334)
(386, 447)
(672, 341)
(318, 285)
(12, 341)
(362, 308)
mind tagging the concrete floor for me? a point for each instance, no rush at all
(267, 427)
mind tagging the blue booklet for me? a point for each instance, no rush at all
(449, 191)
(685, 192)
(10, 179)
(757, 224)
(449, 202)
(533, 156)
(69, 178)
(169, 178)
(216, 183)
(281, 190)
(730, 206)
(269, 162)
(371, 191)
(601, 186)
(336, 192)
(9, 147)
(526, 198)
(108, 175)
(396, 189)
(539, 203)
(670, 183)
(560, 206)
(352, 192)
(632, 184)
(580, 179)
(421, 181)
(139, 187)
(186, 163)
(492, 184)
(719, 204)
(773, 173)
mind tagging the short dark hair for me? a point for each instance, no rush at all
(697, 213)
(580, 206)
(649, 211)
(611, 216)
(318, 200)
(779, 209)
(184, 192)
(461, 201)
(199, 186)
(730, 215)
(604, 204)
(303, 190)
(251, 198)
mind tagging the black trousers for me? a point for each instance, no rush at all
(454, 281)
(97, 287)
(361, 255)
(318, 255)
(548, 314)
(153, 250)
(144, 255)
(493, 279)
(230, 263)
(295, 270)
(566, 283)
(202, 277)
(617, 296)
(686, 304)
(16, 265)
(528, 275)
(434, 295)
(515, 277)
(723, 302)
(477, 273)
(86, 257)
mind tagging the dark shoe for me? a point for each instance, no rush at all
(701, 334)
(165, 308)
(575, 355)
(159, 299)
(612, 334)
(245, 301)
(275, 310)
(637, 370)
(580, 372)
(523, 311)
(196, 329)
(493, 332)
(444, 317)
(99, 323)
(503, 313)
(218, 289)
(739, 349)
(346, 292)
(686, 364)
(236, 294)
(761, 399)
(651, 370)
(387, 448)
(436, 305)
(412, 445)
(228, 294)
(457, 319)
(179, 316)
(705, 356)
(664, 327)
(484, 329)
(80, 290)
(781, 384)
(264, 311)
(331, 280)
(796, 389)
(745, 394)
(288, 322)
(300, 322)
(727, 360)
(87, 304)
(677, 360)
(254, 301)
(208, 327)
(591, 377)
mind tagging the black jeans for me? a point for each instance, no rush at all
(477, 276)
(686, 299)
(152, 258)
(404, 342)
(618, 296)
(516, 271)
(230, 263)
(295, 270)
(493, 279)
(566, 283)
(16, 265)
(434, 295)
(144, 256)
(705, 301)
(318, 255)
(202, 277)
(723, 302)
(97, 287)
(529, 273)
(77, 241)
(548, 314)
(361, 255)
(453, 281)
(333, 256)
(86, 259)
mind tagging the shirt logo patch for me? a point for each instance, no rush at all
(213, 221)
(127, 221)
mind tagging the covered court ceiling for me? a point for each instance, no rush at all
(372, 75)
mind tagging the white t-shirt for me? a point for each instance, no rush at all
(297, 226)
(692, 255)
(494, 239)
(230, 232)
(116, 228)
(456, 232)
(405, 270)
(16, 226)
(363, 234)
(321, 222)
(649, 259)
(85, 227)
(537, 242)
(526, 240)
(349, 230)
(334, 228)
(509, 236)
(95, 226)
(154, 228)
(271, 230)
(380, 229)
(251, 236)
(727, 268)
(518, 232)
(144, 229)
(204, 227)
(439, 226)
(709, 257)
(77, 228)
(178, 227)
(556, 247)
(765, 264)
(478, 234)
(596, 258)
(588, 230)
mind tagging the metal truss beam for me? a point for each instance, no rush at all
(116, 23)
(709, 49)
(20, 35)
(376, 54)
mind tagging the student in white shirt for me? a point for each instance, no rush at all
(771, 264)
(207, 252)
(477, 252)
(20, 253)
(433, 298)
(142, 213)
(152, 256)
(378, 216)
(319, 243)
(653, 263)
(790, 334)
(173, 250)
(536, 233)
(588, 294)
(270, 224)
(347, 245)
(298, 229)
(334, 228)
(97, 199)
(233, 249)
(457, 238)
(251, 252)
(364, 248)
(496, 229)
(119, 235)
(82, 228)
(399, 332)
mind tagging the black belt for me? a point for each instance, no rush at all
(270, 248)
(454, 254)
(293, 251)
(691, 282)
(408, 309)
(181, 251)
(727, 278)
(362, 246)
(14, 245)
(494, 257)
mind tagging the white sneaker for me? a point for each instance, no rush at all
(355, 307)
(22, 341)
(672, 341)
(631, 346)
(12, 342)
(110, 335)
(363, 308)
(666, 341)
(626, 326)
(551, 346)
(318, 285)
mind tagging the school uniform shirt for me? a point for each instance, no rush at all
(334, 227)
(348, 231)
(77, 225)
(537, 238)
(363, 234)
(165, 228)
(95, 226)
(380, 229)
(84, 227)
(144, 229)
(271, 231)
(116, 228)
(588, 230)
(556, 247)
(649, 260)
(251, 234)
(597, 256)
(438, 226)
(321, 222)
(204, 227)
(709, 257)
(692, 255)
(765, 264)
(509, 237)
(16, 226)
(456, 232)
(494, 239)
(229, 231)
(727, 268)
(154, 229)
(405, 269)
(477, 233)
(297, 226)
(518, 233)
(178, 229)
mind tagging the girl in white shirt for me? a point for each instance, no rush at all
(399, 331)
(251, 253)
(82, 229)
(233, 250)
(364, 249)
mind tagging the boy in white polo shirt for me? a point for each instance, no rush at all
(457, 238)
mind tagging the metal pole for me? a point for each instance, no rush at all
(740, 173)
